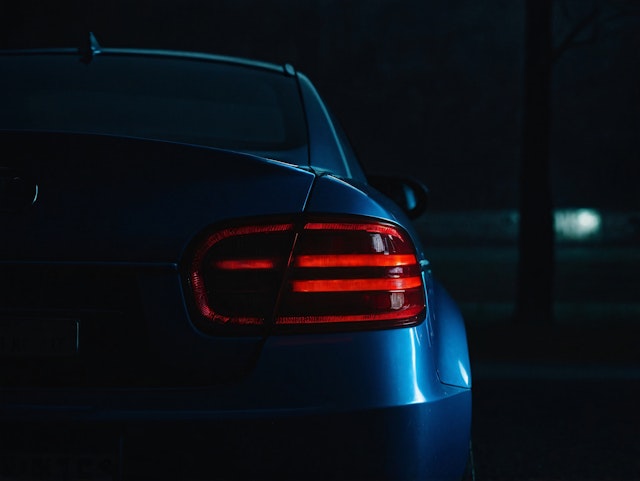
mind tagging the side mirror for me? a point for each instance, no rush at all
(410, 194)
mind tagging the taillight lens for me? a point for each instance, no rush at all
(235, 274)
(319, 273)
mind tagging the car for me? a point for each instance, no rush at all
(200, 281)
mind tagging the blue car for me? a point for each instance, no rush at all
(199, 281)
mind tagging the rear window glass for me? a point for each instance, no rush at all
(197, 102)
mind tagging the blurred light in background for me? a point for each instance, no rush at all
(577, 224)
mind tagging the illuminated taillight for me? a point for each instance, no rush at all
(354, 274)
(235, 273)
(339, 273)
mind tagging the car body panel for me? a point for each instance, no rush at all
(294, 401)
(279, 445)
(449, 339)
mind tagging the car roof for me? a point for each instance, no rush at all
(285, 69)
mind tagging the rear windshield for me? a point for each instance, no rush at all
(196, 102)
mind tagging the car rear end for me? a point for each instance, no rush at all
(172, 311)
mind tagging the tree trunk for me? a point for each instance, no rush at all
(534, 302)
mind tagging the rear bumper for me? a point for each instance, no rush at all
(425, 440)
(366, 405)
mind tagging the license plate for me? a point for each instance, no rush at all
(59, 467)
(39, 337)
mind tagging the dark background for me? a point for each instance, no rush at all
(434, 89)
(427, 88)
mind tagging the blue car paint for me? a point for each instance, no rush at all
(449, 338)
(338, 196)
(440, 344)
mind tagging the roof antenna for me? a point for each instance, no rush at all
(90, 48)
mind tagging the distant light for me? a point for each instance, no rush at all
(588, 220)
(577, 224)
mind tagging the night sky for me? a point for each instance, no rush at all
(424, 88)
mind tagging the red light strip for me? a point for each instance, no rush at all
(351, 285)
(356, 260)
(377, 228)
(244, 264)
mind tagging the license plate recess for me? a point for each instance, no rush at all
(32, 337)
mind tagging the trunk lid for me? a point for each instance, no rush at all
(112, 199)
(89, 259)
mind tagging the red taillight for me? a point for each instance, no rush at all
(354, 285)
(235, 273)
(339, 274)
(355, 260)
